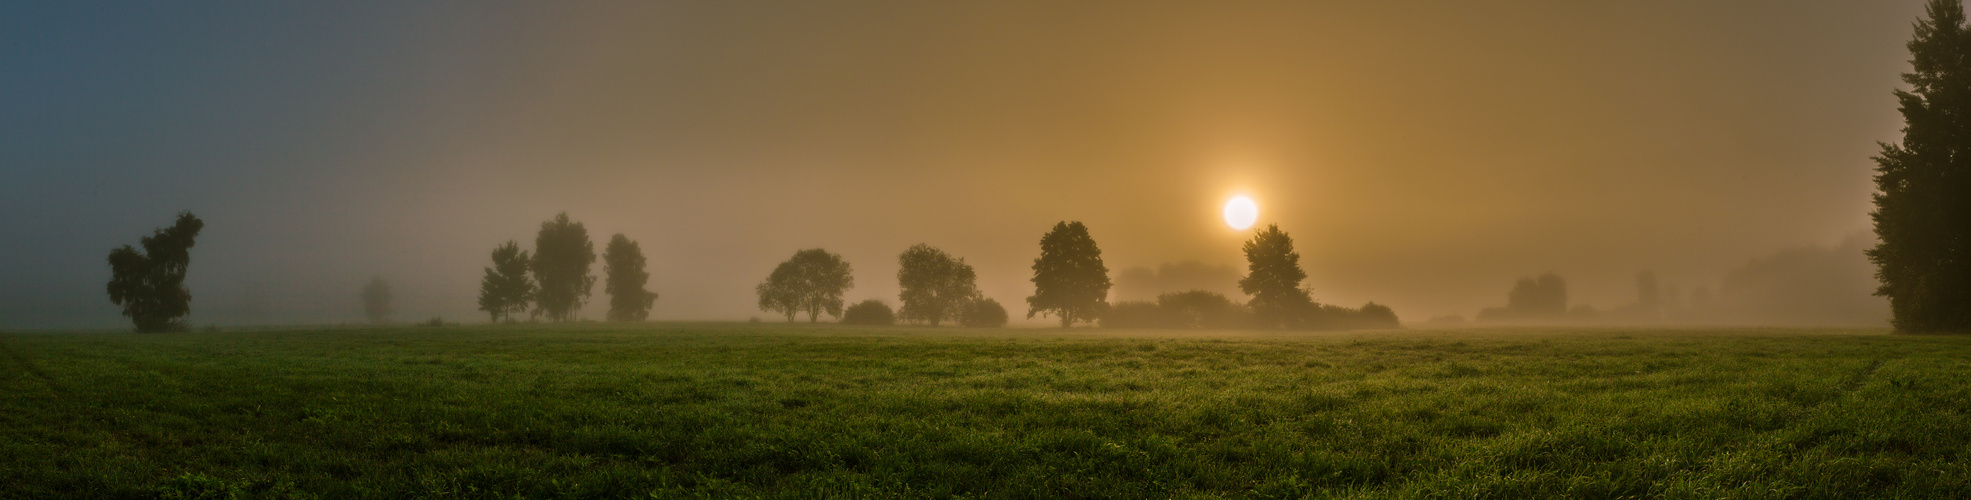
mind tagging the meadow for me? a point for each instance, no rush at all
(798, 411)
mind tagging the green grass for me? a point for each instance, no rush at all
(711, 410)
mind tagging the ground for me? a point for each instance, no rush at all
(738, 410)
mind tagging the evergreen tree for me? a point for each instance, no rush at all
(376, 300)
(151, 285)
(1923, 210)
(1069, 279)
(562, 256)
(506, 290)
(622, 262)
(1273, 278)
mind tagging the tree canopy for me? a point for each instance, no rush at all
(150, 285)
(622, 263)
(376, 300)
(1273, 278)
(562, 256)
(1923, 208)
(506, 290)
(1069, 279)
(869, 312)
(811, 282)
(935, 285)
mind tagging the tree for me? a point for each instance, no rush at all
(869, 312)
(1924, 183)
(562, 256)
(376, 300)
(1273, 278)
(935, 286)
(1069, 279)
(983, 313)
(811, 282)
(151, 285)
(1541, 298)
(506, 290)
(622, 262)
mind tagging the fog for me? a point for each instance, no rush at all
(1422, 155)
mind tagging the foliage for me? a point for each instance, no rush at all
(776, 411)
(1203, 309)
(151, 285)
(812, 282)
(1532, 299)
(935, 286)
(506, 289)
(562, 256)
(1069, 279)
(622, 263)
(983, 313)
(1332, 317)
(869, 312)
(1923, 201)
(376, 300)
(1273, 278)
(1137, 314)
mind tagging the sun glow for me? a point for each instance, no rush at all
(1241, 212)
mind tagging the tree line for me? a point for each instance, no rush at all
(554, 281)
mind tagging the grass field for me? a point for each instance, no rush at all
(735, 410)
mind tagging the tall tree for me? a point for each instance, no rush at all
(151, 285)
(376, 300)
(811, 282)
(506, 290)
(622, 262)
(1069, 279)
(935, 286)
(562, 256)
(1273, 278)
(1923, 207)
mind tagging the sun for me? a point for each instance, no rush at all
(1241, 212)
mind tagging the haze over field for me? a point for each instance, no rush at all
(1422, 156)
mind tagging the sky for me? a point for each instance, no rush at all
(1422, 155)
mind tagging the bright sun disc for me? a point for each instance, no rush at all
(1241, 212)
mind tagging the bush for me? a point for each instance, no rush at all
(983, 313)
(1370, 316)
(1135, 314)
(869, 312)
(1202, 309)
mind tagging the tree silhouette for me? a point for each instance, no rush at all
(1535, 298)
(622, 262)
(376, 300)
(1069, 279)
(1273, 278)
(983, 313)
(1923, 207)
(935, 286)
(506, 290)
(869, 312)
(562, 256)
(151, 285)
(811, 282)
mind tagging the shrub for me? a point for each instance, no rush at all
(983, 313)
(869, 312)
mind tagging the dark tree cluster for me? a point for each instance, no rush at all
(1923, 207)
(1538, 299)
(1069, 279)
(811, 282)
(376, 301)
(150, 285)
(869, 312)
(555, 279)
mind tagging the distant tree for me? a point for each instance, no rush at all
(1069, 279)
(1273, 278)
(811, 282)
(869, 312)
(562, 256)
(376, 300)
(1538, 298)
(622, 262)
(1137, 314)
(1923, 207)
(983, 313)
(150, 285)
(935, 286)
(506, 290)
